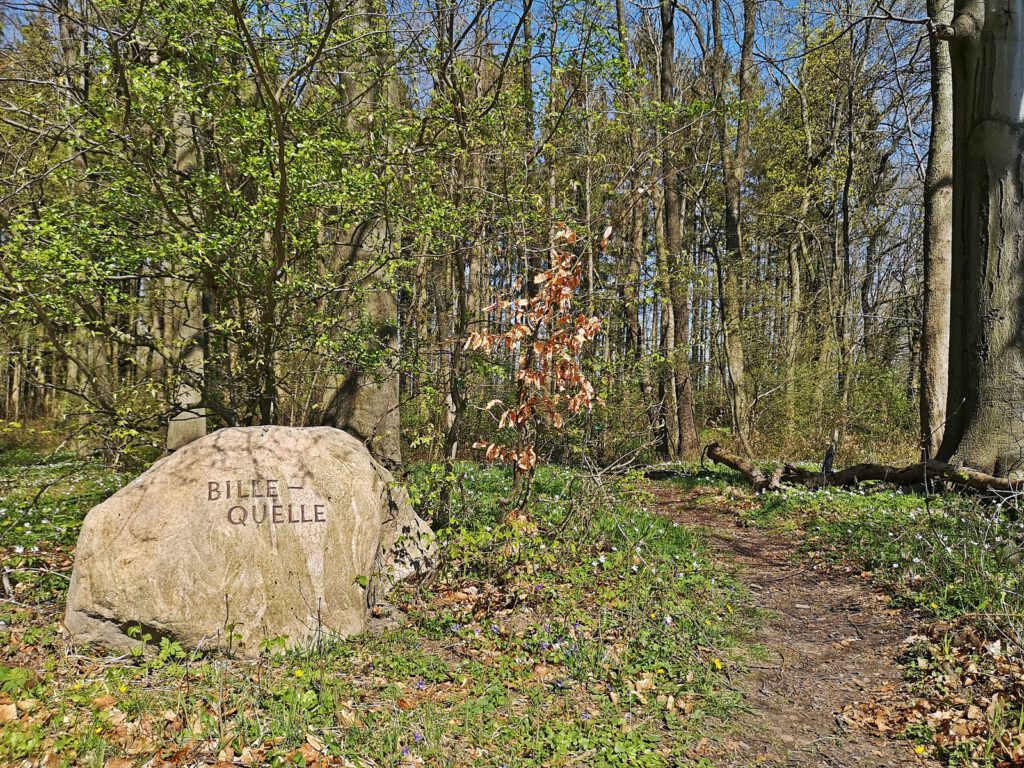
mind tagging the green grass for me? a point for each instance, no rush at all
(599, 635)
(950, 557)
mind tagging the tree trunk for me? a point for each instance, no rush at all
(793, 330)
(634, 328)
(938, 242)
(681, 416)
(732, 262)
(365, 403)
(663, 340)
(17, 364)
(188, 422)
(844, 265)
(922, 473)
(985, 405)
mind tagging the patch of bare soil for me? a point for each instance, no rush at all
(830, 639)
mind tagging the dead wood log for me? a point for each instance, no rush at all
(752, 472)
(914, 474)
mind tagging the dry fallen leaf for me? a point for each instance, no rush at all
(28, 705)
(104, 702)
(348, 718)
(543, 671)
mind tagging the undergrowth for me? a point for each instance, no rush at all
(598, 635)
(950, 557)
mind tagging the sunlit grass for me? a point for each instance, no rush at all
(601, 635)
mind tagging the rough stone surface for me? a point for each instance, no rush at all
(245, 535)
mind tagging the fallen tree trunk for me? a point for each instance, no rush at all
(922, 472)
(748, 469)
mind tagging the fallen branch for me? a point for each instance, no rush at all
(914, 474)
(748, 469)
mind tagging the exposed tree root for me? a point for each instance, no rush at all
(915, 474)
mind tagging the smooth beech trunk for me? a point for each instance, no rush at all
(985, 410)
(365, 402)
(186, 318)
(938, 241)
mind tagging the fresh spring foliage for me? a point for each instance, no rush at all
(250, 203)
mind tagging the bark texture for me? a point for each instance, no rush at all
(938, 241)
(681, 420)
(188, 422)
(730, 265)
(365, 403)
(985, 410)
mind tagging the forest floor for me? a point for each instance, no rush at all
(687, 622)
(830, 640)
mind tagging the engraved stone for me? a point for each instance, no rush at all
(245, 535)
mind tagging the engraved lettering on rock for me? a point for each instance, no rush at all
(258, 501)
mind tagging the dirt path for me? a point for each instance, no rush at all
(830, 639)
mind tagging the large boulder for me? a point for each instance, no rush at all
(247, 535)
